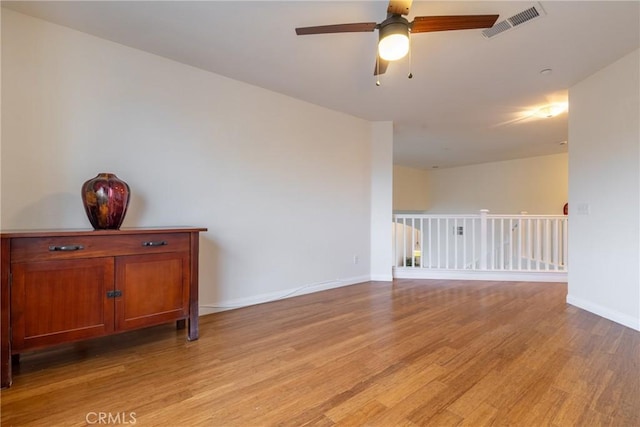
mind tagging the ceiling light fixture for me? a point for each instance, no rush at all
(394, 38)
(551, 110)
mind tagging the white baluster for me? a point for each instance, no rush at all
(483, 238)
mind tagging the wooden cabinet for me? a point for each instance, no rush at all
(63, 286)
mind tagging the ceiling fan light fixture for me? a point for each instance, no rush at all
(394, 39)
(551, 110)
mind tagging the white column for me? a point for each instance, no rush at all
(381, 200)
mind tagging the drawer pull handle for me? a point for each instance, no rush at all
(66, 248)
(160, 243)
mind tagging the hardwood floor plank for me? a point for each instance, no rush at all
(407, 353)
(362, 414)
(483, 415)
(401, 412)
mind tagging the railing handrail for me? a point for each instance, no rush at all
(400, 216)
(473, 216)
(536, 216)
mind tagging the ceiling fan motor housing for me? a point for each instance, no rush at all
(393, 24)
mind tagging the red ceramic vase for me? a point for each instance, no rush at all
(105, 198)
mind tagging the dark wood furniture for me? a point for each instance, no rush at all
(60, 286)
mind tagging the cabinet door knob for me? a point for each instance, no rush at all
(66, 248)
(160, 243)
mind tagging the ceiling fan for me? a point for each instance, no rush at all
(393, 42)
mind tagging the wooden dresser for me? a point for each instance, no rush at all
(60, 286)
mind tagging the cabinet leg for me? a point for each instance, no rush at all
(6, 377)
(193, 332)
(181, 324)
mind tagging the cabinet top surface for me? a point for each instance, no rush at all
(90, 232)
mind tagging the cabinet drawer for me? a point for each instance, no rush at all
(53, 248)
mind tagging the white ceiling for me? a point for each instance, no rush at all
(469, 100)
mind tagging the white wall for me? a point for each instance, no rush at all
(410, 189)
(282, 185)
(604, 199)
(537, 185)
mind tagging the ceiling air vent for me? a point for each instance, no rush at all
(496, 29)
(517, 19)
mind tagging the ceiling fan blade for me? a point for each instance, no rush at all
(424, 24)
(381, 66)
(399, 7)
(360, 27)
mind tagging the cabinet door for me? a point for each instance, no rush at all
(154, 289)
(58, 301)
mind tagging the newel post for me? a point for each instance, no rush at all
(483, 238)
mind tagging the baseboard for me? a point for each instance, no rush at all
(278, 295)
(382, 277)
(506, 276)
(607, 313)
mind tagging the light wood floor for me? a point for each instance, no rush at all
(418, 352)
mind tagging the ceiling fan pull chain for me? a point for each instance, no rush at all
(377, 71)
(410, 76)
